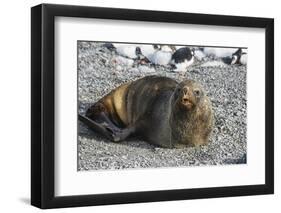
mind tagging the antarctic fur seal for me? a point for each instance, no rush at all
(159, 110)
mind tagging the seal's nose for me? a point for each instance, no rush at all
(185, 90)
(185, 93)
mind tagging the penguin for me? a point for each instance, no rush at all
(239, 57)
(182, 58)
(244, 58)
(109, 46)
(199, 54)
(126, 50)
(162, 55)
(219, 52)
(146, 52)
(168, 48)
(165, 47)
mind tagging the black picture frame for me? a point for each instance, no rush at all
(43, 102)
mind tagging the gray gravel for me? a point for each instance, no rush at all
(100, 71)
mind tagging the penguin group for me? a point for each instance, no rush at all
(230, 56)
(177, 58)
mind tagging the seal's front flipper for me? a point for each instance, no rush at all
(99, 127)
(122, 134)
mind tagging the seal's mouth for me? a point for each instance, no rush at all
(187, 103)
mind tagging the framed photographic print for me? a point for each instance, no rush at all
(139, 106)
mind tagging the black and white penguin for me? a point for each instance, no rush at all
(109, 46)
(182, 58)
(218, 52)
(146, 51)
(162, 55)
(131, 51)
(239, 57)
(127, 50)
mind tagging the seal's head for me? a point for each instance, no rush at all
(191, 115)
(188, 94)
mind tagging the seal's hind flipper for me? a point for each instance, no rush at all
(109, 130)
(102, 129)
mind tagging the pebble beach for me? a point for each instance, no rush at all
(100, 70)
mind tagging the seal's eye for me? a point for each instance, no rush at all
(196, 92)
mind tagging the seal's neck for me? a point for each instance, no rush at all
(181, 113)
(181, 120)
